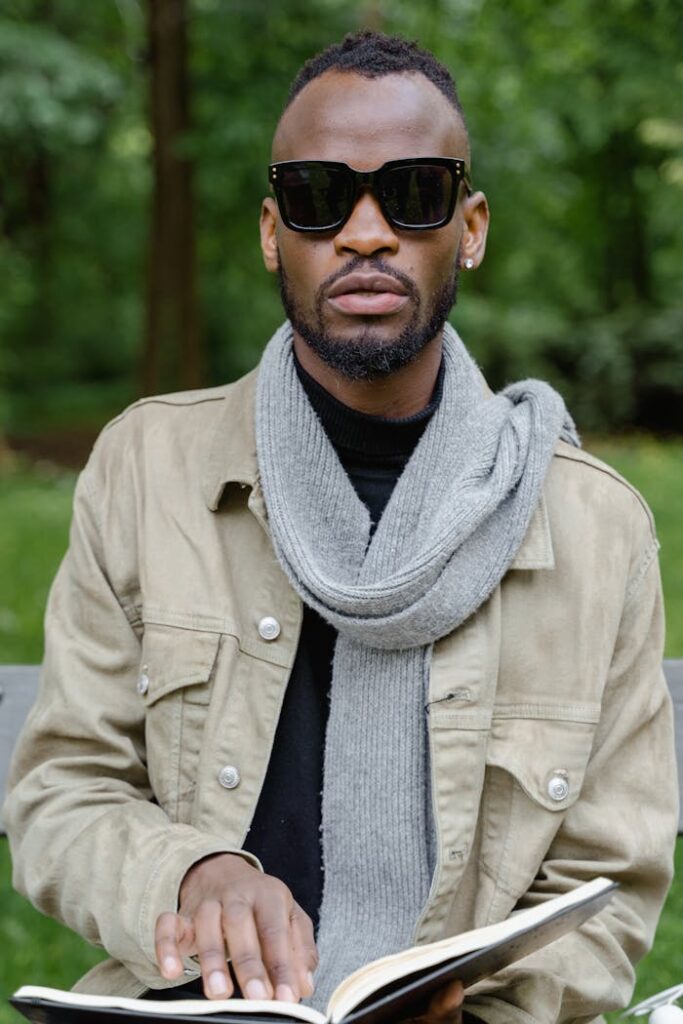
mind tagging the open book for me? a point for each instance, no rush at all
(393, 988)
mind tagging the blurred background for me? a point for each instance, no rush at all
(134, 139)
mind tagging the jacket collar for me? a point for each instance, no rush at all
(232, 449)
(232, 459)
(536, 551)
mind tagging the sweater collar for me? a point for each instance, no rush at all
(364, 434)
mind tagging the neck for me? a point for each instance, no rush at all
(403, 393)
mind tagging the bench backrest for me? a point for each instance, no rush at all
(19, 684)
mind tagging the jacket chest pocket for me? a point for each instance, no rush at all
(175, 680)
(535, 767)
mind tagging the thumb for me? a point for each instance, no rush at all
(447, 1001)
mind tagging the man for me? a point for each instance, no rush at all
(353, 620)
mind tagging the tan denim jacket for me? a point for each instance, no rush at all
(549, 722)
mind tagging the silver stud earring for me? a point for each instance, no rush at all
(468, 264)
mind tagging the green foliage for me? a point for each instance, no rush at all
(35, 509)
(36, 950)
(575, 121)
(73, 185)
(574, 113)
(655, 469)
(51, 90)
(661, 968)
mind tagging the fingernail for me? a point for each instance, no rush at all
(285, 994)
(309, 979)
(169, 965)
(217, 984)
(255, 989)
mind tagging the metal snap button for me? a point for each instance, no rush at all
(558, 786)
(269, 628)
(143, 682)
(229, 776)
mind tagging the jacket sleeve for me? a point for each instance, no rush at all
(89, 844)
(623, 826)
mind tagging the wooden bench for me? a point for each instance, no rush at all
(19, 683)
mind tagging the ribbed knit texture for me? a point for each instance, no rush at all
(450, 530)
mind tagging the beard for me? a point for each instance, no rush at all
(367, 355)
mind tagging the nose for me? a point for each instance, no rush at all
(366, 231)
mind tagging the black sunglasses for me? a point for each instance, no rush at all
(414, 195)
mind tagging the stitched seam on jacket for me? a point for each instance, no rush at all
(211, 624)
(513, 893)
(641, 572)
(508, 844)
(173, 851)
(100, 528)
(583, 459)
(182, 400)
(587, 714)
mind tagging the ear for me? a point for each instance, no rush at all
(475, 229)
(268, 229)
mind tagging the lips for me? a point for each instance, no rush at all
(367, 294)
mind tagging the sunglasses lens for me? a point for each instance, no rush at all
(418, 194)
(314, 196)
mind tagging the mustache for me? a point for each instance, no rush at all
(376, 264)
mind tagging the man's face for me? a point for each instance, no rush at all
(364, 123)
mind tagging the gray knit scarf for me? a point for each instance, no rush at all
(454, 522)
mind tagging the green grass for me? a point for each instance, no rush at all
(663, 966)
(35, 507)
(34, 513)
(656, 469)
(34, 949)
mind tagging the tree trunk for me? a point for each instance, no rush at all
(172, 354)
(627, 272)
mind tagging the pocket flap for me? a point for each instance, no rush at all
(174, 659)
(546, 756)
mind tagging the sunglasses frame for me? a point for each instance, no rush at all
(373, 181)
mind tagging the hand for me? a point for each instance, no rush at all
(228, 908)
(445, 1007)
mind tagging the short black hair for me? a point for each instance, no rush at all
(374, 54)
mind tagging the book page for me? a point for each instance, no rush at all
(364, 982)
(193, 1007)
(354, 989)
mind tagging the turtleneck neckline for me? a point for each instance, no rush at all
(363, 434)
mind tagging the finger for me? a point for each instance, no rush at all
(303, 945)
(210, 945)
(169, 932)
(276, 940)
(447, 1001)
(187, 945)
(241, 934)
